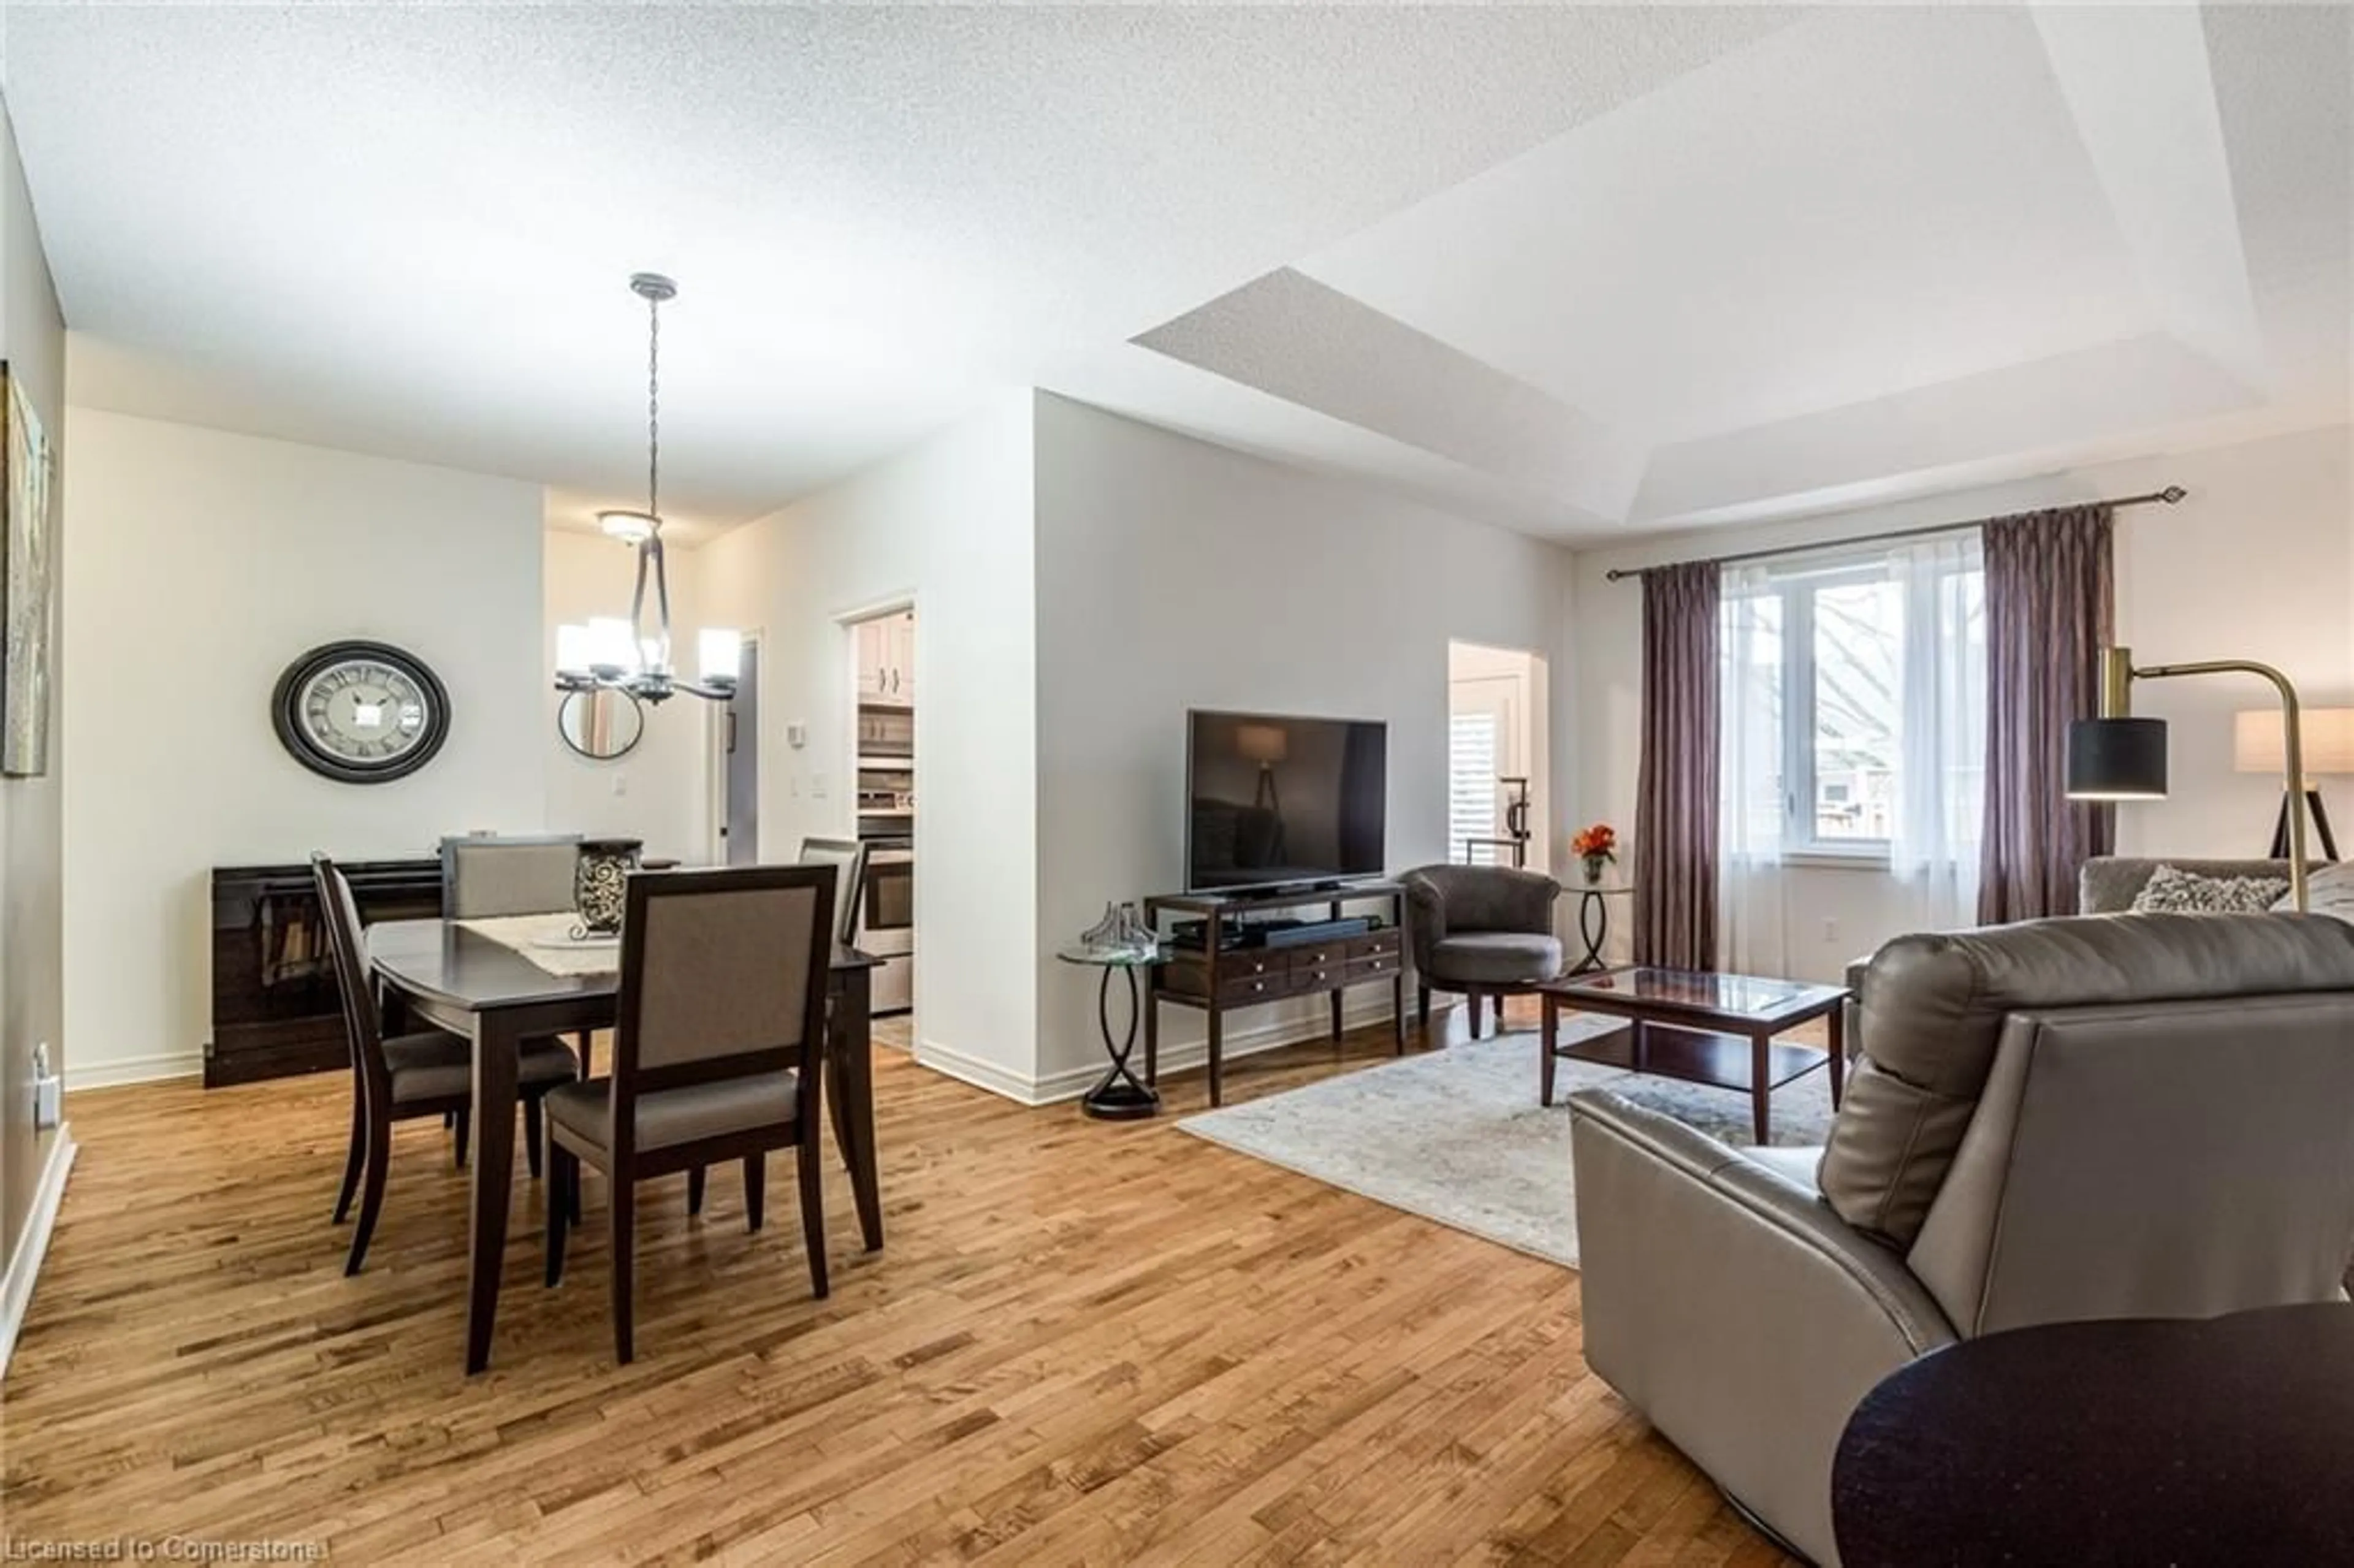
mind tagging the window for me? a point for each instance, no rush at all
(1817, 742)
(1470, 779)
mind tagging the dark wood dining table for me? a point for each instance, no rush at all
(441, 973)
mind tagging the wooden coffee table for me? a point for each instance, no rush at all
(1700, 1027)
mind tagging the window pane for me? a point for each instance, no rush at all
(1859, 715)
(1752, 788)
(1470, 782)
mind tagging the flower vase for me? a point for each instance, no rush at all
(1594, 866)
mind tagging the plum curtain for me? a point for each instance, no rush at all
(2050, 607)
(1675, 845)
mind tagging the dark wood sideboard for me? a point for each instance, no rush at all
(1215, 978)
(276, 1009)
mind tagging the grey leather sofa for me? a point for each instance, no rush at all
(2074, 1119)
(1484, 931)
(2108, 883)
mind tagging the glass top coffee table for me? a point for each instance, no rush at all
(1700, 1027)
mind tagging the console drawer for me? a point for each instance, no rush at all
(1379, 966)
(1326, 977)
(1249, 963)
(1242, 990)
(1317, 955)
(1375, 944)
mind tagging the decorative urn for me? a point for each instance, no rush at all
(601, 883)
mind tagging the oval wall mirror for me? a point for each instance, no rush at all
(601, 724)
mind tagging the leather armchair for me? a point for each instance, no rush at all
(1482, 930)
(2062, 1119)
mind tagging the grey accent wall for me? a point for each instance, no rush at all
(32, 919)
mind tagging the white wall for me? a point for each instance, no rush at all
(948, 525)
(32, 342)
(1175, 575)
(660, 791)
(2257, 563)
(200, 565)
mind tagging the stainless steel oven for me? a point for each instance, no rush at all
(886, 924)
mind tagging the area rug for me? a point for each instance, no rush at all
(1455, 1135)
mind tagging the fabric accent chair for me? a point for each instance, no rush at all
(409, 1075)
(718, 1035)
(486, 875)
(1484, 931)
(2056, 1121)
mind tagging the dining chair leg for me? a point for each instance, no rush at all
(562, 1173)
(531, 1133)
(620, 1205)
(572, 1194)
(379, 1156)
(355, 1159)
(812, 1185)
(694, 1189)
(465, 1126)
(755, 1189)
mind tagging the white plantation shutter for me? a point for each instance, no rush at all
(1471, 782)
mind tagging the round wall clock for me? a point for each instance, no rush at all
(360, 713)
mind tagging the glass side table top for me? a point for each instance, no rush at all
(1112, 958)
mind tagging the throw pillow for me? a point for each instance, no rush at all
(2329, 891)
(2174, 890)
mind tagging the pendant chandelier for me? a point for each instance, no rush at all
(612, 654)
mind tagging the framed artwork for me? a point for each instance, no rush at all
(24, 465)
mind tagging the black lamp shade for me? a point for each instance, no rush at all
(2116, 759)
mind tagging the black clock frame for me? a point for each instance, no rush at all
(285, 703)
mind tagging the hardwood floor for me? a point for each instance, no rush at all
(1084, 1342)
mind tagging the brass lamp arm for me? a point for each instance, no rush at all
(2292, 740)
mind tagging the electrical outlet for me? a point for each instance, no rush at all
(796, 736)
(793, 785)
(1830, 930)
(817, 786)
(620, 783)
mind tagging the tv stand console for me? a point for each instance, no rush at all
(1218, 977)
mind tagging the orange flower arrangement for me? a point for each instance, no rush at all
(1598, 846)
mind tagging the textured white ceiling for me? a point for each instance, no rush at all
(1584, 270)
(407, 229)
(1884, 251)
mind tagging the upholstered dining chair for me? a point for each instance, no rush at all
(848, 857)
(408, 1075)
(716, 1050)
(484, 875)
(1484, 931)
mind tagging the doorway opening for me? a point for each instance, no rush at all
(883, 680)
(739, 816)
(1497, 802)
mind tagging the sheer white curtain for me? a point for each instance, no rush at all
(1941, 796)
(1751, 787)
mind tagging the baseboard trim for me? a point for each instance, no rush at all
(134, 1070)
(977, 1071)
(1185, 1056)
(1070, 1082)
(16, 1286)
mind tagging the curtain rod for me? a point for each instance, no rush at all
(2168, 496)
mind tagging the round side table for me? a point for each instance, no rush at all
(2205, 1443)
(1123, 1095)
(1594, 921)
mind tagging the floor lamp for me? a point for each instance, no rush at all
(2256, 747)
(2117, 757)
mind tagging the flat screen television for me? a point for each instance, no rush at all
(1277, 799)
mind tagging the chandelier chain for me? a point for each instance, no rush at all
(653, 409)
